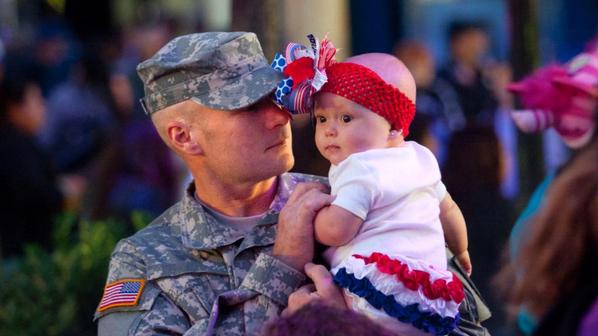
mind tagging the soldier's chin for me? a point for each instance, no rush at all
(579, 140)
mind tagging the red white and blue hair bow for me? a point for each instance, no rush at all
(305, 69)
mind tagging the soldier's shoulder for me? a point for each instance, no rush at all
(166, 223)
(164, 231)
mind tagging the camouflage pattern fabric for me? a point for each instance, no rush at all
(202, 278)
(224, 71)
(473, 309)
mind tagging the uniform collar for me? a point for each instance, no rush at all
(200, 230)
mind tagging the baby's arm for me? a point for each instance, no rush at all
(335, 226)
(455, 231)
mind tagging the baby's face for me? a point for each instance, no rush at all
(344, 127)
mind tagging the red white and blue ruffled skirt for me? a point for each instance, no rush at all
(407, 290)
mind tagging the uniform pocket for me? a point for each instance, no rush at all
(192, 286)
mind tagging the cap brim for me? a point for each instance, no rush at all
(242, 91)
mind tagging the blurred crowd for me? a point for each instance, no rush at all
(74, 137)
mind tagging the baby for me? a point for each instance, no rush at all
(387, 225)
(391, 213)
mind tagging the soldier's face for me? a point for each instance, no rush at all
(247, 145)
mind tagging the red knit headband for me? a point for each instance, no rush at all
(364, 87)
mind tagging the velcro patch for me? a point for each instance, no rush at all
(121, 293)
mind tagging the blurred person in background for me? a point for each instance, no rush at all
(554, 274)
(80, 116)
(30, 194)
(54, 52)
(500, 75)
(473, 171)
(50, 52)
(471, 88)
(563, 98)
(421, 64)
(140, 42)
(429, 124)
(135, 171)
(462, 83)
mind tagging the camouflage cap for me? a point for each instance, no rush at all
(223, 71)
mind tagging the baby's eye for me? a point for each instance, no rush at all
(346, 118)
(321, 119)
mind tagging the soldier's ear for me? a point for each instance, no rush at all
(179, 135)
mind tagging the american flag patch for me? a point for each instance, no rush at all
(122, 293)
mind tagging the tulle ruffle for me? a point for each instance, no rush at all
(416, 275)
(405, 289)
(387, 284)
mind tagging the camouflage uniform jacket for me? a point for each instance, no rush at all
(201, 277)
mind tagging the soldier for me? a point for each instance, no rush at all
(224, 259)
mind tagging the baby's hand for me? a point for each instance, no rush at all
(464, 261)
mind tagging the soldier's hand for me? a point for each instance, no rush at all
(294, 244)
(322, 289)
